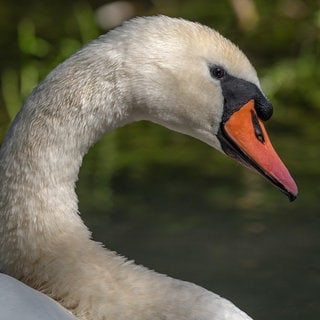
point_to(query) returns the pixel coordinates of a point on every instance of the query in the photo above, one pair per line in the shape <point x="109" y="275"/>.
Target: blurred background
<point x="170" y="202"/>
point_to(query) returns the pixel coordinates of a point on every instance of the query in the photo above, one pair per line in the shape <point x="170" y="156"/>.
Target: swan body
<point x="170" y="71"/>
<point x="19" y="301"/>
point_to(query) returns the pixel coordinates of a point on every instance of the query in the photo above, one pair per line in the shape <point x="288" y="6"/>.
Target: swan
<point x="176" y="73"/>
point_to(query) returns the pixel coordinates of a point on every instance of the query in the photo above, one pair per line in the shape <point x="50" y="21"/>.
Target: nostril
<point x="257" y="128"/>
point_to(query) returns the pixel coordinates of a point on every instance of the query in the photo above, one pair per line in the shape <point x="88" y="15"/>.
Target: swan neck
<point x="41" y="156"/>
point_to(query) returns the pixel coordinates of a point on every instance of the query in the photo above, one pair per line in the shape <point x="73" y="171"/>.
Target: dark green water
<point x="230" y="232"/>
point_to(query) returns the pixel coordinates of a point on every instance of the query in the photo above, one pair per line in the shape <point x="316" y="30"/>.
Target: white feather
<point x="150" y="68"/>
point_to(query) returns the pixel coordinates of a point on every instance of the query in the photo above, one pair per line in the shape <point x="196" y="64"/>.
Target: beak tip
<point x="292" y="196"/>
<point x="292" y="192"/>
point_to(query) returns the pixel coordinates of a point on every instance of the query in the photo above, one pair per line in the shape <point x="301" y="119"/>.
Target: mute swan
<point x="176" y="73"/>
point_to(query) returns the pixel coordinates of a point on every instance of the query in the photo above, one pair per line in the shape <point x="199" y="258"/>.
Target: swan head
<point x="191" y="79"/>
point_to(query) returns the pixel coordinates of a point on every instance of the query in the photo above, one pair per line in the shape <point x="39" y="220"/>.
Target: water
<point x="231" y="233"/>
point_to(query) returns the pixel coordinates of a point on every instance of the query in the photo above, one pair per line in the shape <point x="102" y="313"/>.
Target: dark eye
<point x="217" y="72"/>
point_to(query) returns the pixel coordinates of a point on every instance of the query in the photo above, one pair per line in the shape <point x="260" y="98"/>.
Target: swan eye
<point x="217" y="72"/>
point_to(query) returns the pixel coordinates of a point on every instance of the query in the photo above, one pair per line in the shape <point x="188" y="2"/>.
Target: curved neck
<point x="42" y="238"/>
<point x="42" y="153"/>
<point x="43" y="241"/>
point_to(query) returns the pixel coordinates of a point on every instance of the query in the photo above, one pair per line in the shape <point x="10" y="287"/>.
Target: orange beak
<point x="249" y="143"/>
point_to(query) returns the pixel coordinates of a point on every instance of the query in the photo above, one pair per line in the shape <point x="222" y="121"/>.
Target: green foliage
<point x="36" y="56"/>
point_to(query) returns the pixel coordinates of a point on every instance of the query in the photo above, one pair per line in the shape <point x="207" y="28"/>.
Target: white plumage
<point x="150" y="68"/>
